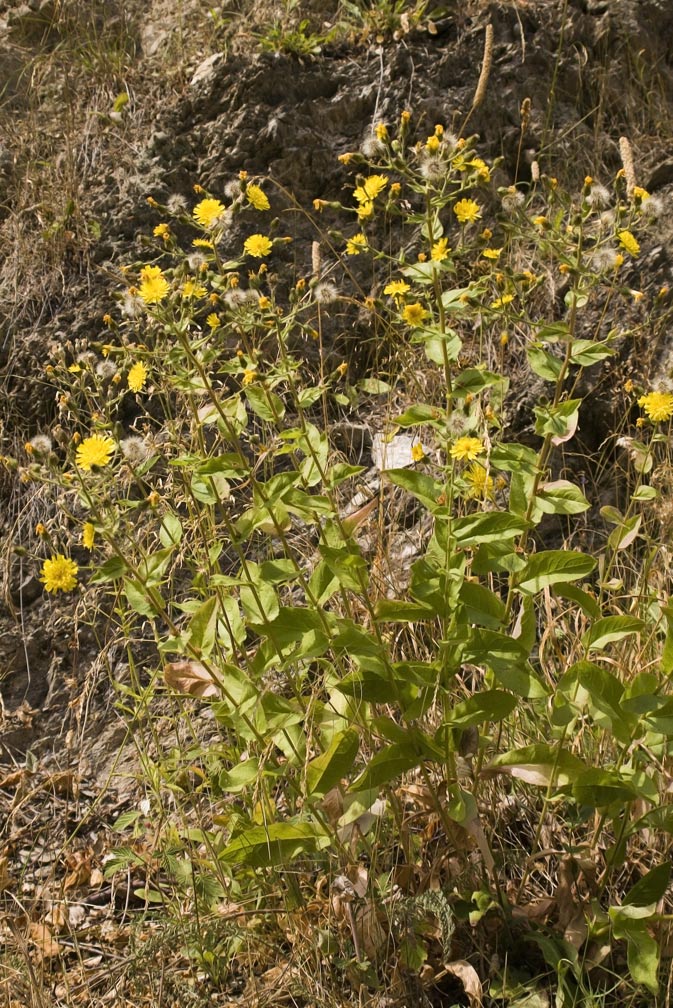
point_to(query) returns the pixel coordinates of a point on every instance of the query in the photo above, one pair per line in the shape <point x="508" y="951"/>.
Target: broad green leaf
<point x="507" y="658"/>
<point x="489" y="527"/>
<point x="513" y="458"/>
<point x="111" y="570"/>
<point x="481" y="605"/>
<point x="667" y="652"/>
<point x="203" y="627"/>
<point x="584" y="600"/>
<point x="561" y="497"/>
<point x="553" y="566"/>
<point x="274" y="845"/>
<point x="597" y="788"/>
<point x="260" y="602"/>
<point x="393" y="611"/>
<point x="543" y="363"/>
<point x="539" y="764"/>
<point x="645" y="493"/>
<point x="642" y="951"/>
<point x="326" y="770"/>
<point x="139" y="598"/>
<point x="421" y="486"/>
<point x="240" y="776"/>
<point x="650" y="888"/>
<point x="264" y="403"/>
<point x="393" y="760"/>
<point x="625" y="533"/>
<point x="170" y="532"/>
<point x="588" y="352"/>
<point x="421" y="413"/>
<point x="609" y="629"/>
<point x="436" y="344"/>
<point x="559" y="421"/>
<point x="490" y="705"/>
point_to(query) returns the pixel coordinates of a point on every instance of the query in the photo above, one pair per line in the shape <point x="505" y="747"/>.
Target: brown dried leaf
<point x="43" y="940"/>
<point x="370" y="932"/>
<point x="190" y="677"/>
<point x="469" y="978"/>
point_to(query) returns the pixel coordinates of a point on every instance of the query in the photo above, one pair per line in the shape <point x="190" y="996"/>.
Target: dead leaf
<point x="190" y="677"/>
<point x="43" y="940"/>
<point x="370" y="932"/>
<point x="469" y="978"/>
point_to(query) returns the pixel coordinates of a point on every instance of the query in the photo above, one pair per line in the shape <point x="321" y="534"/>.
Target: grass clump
<point x="438" y="698"/>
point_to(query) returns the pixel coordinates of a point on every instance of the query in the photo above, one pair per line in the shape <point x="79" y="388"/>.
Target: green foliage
<point x="355" y="692"/>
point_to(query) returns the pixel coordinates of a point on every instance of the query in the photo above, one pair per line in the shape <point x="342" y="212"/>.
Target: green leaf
<point x="437" y="343"/>
<point x="645" y="493"/>
<point x="393" y="760"/>
<point x="264" y="403"/>
<point x="650" y="888"/>
<point x="139" y="598"/>
<point x="585" y="601"/>
<point x="539" y="764"/>
<point x="561" y="497"/>
<point x="170" y="532"/>
<point x="112" y="569"/>
<point x="667" y="652"/>
<point x="394" y="611"/>
<point x="326" y="770"/>
<point x="642" y="951"/>
<point x="275" y="844"/>
<point x="588" y="352"/>
<point x="552" y="567"/>
<point x="374" y="386"/>
<point x="482" y="605"/>
<point x="609" y="629"/>
<point x="513" y="458"/>
<point x="543" y="363"/>
<point x="559" y="421"/>
<point x="493" y="526"/>
<point x="625" y="533"/>
<point x="598" y="788"/>
<point x="421" y="413"/>
<point x="203" y="627"/>
<point x="421" y="486"/>
<point x="239" y="777"/>
<point x="490" y="705"/>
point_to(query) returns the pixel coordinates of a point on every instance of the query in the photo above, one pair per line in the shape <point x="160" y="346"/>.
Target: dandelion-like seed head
<point x="41" y="444"/>
<point x="106" y="369"/>
<point x="604" y="259"/>
<point x="599" y="197"/>
<point x="431" y="167"/>
<point x="325" y="292"/>
<point x="372" y="146"/>
<point x="135" y="450"/>
<point x="652" y="208"/>
<point x="512" y="200"/>
<point x="177" y="203"/>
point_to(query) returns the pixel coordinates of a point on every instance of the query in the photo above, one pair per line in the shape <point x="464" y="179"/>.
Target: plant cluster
<point x="411" y="749"/>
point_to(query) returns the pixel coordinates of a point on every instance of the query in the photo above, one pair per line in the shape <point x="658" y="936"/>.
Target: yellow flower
<point x="191" y="289"/>
<point x="356" y="244"/>
<point x="467" y="449"/>
<point x="257" y="246"/>
<point x="405" y="117"/>
<point x="202" y="243"/>
<point x="639" y="193"/>
<point x="414" y="314"/>
<point x="396" y="288"/>
<point x="213" y="320"/>
<point x="486" y="234"/>
<point x="370" y="188"/>
<point x="94" y="451"/>
<point x="257" y="198"/>
<point x="74" y="369"/>
<point x="88" y="535"/>
<point x="365" y="210"/>
<point x="501" y="301"/>
<point x="504" y="339"/>
<point x="40" y="529"/>
<point x="628" y="242"/>
<point x="540" y="221"/>
<point x="657" y="405"/>
<point x="249" y="376"/>
<point x="491" y="253"/>
<point x="481" y="167"/>
<point x="440" y="250"/>
<point x="381" y="131"/>
<point x="628" y="385"/>
<point x="480" y="484"/>
<point x="466" y="210"/>
<point x="137" y="377"/>
<point x="417" y="452"/>
<point x="162" y="231"/>
<point x="619" y="261"/>
<point x="345" y="158"/>
<point x="433" y="144"/>
<point x="439" y="130"/>
<point x="59" y="574"/>
<point x="208" y="212"/>
<point x="153" y="285"/>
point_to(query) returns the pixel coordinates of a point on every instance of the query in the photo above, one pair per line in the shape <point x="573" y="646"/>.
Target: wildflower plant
<point x="357" y="694"/>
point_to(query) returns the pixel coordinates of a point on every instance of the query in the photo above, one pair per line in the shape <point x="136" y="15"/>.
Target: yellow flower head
<point x="213" y="320"/>
<point x="501" y="301"/>
<point x="467" y="449"/>
<point x="414" y="314"/>
<point x="94" y="451"/>
<point x="257" y="198"/>
<point x="657" y="405"/>
<point x="208" y="212"/>
<point x="381" y="131"/>
<point x="88" y="535"/>
<point x="162" y="231"/>
<point x="467" y="210"/>
<point x="481" y="168"/>
<point x="370" y="188"/>
<point x="417" y="452"/>
<point x="396" y="288"/>
<point x="638" y="193"/>
<point x="365" y="210"/>
<point x="433" y="144"/>
<point x="257" y="246"/>
<point x="137" y="377"/>
<point x="540" y="221"/>
<point x="440" y="250"/>
<point x="59" y="574"/>
<point x="356" y="244"/>
<point x="153" y="285"/>
<point x="202" y="243"/>
<point x="191" y="289"/>
<point x="249" y="376"/>
<point x="491" y="253"/>
<point x="480" y="484"/>
<point x="628" y="242"/>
